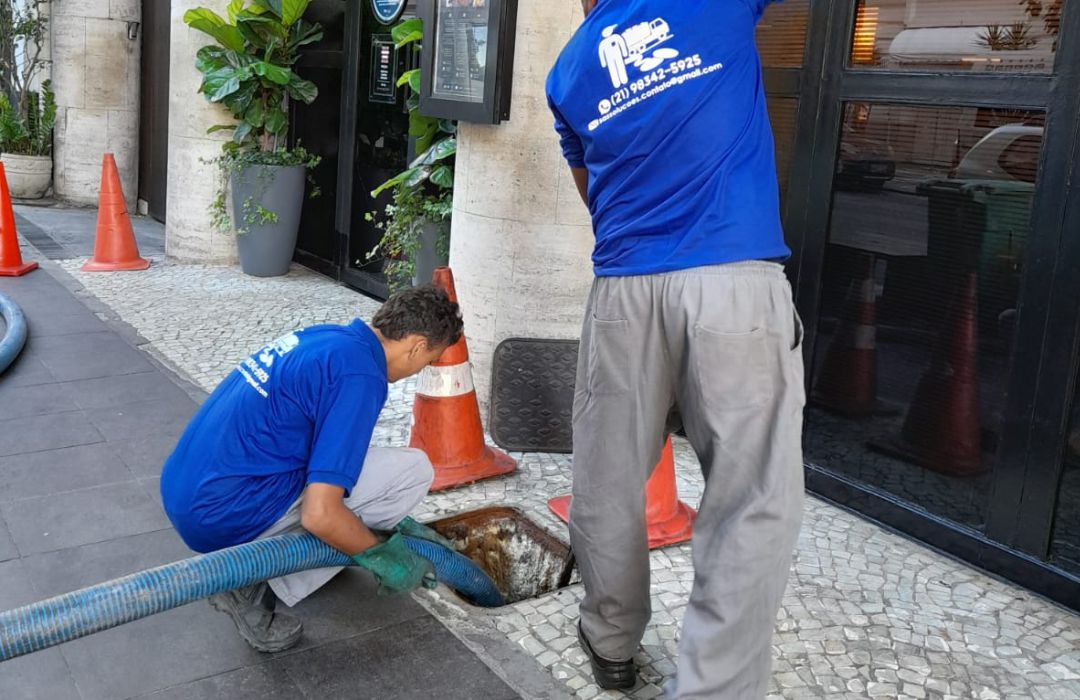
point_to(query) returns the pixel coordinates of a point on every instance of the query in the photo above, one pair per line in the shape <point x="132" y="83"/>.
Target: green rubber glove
<point x="411" y="528"/>
<point x="396" y="567"/>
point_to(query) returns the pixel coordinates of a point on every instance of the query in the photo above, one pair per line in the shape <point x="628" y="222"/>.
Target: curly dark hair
<point x="425" y="311"/>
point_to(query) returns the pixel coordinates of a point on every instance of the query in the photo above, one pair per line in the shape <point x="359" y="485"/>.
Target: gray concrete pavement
<point x="86" y="419"/>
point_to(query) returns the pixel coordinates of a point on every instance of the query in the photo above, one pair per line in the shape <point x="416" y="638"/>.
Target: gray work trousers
<point x="720" y="347"/>
<point x="392" y="483"/>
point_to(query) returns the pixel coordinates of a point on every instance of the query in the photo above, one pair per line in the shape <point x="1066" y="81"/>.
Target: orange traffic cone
<point x="942" y="430"/>
<point x="11" y="262"/>
<point x="847" y="383"/>
<point x="114" y="248"/>
<point x="446" y="416"/>
<point x="669" y="520"/>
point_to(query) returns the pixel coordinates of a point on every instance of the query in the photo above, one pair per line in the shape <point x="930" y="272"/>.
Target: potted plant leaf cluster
<point x="416" y="225"/>
<point x="27" y="113"/>
<point x="250" y="70"/>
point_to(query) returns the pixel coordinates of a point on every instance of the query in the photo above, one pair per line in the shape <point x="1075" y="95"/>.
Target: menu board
<point x="461" y="45"/>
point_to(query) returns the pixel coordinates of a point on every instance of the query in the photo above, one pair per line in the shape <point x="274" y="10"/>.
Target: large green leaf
<point x="240" y="101"/>
<point x="443" y="176"/>
<point x="275" y="74"/>
<point x="302" y="90"/>
<point x="394" y="181"/>
<point x="288" y="10"/>
<point x="242" y="133"/>
<point x="219" y="84"/>
<point x="417" y="177"/>
<point x="209" y="22"/>
<point x="410" y="78"/>
<point x="277" y="121"/>
<point x="440" y="151"/>
<point x="424" y="141"/>
<point x="252" y="36"/>
<point x="420" y="125"/>
<point x="305" y="34"/>
<point x="234" y="9"/>
<point x="445" y="148"/>
<point x="255" y="114"/>
<point x="210" y="59"/>
<point x="408" y="31"/>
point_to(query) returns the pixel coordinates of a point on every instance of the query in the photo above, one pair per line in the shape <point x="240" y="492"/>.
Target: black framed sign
<point x="468" y="61"/>
<point x="388" y="11"/>
<point x="384" y="65"/>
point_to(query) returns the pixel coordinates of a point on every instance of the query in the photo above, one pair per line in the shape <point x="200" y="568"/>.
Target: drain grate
<point x="41" y="240"/>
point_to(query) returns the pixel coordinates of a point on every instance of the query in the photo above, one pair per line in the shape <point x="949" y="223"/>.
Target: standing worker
<point x="282" y="444"/>
<point x="690" y="315"/>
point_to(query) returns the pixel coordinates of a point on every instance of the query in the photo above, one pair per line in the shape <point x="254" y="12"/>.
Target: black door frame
<point x="154" y="107"/>
<point x="1043" y="372"/>
<point x="351" y="63"/>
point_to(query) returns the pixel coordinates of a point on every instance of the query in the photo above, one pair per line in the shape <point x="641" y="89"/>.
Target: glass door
<point x="926" y="149"/>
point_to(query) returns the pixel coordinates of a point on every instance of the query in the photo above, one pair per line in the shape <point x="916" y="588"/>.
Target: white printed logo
<point x="617" y="51"/>
<point x="256" y="369"/>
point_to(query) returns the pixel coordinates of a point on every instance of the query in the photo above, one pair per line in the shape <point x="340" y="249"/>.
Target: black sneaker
<point x="252" y="611"/>
<point x="609" y="675"/>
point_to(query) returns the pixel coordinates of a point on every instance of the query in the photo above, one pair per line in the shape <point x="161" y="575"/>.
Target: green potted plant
<point x="250" y="70"/>
<point x="416" y="226"/>
<point x="27" y="115"/>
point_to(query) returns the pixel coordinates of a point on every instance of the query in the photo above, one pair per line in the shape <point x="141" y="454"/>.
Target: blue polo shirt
<point x="663" y="103"/>
<point x="300" y="410"/>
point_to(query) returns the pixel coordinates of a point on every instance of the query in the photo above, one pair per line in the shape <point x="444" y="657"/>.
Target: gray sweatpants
<point x="392" y="483"/>
<point x="719" y="347"/>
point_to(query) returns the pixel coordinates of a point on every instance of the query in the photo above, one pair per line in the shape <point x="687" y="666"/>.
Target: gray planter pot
<point x="266" y="250"/>
<point x="428" y="257"/>
<point x="28" y="176"/>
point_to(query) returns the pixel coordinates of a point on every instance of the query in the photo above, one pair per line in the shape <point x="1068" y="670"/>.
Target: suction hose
<point x="15" y="336"/>
<point x="84" y="612"/>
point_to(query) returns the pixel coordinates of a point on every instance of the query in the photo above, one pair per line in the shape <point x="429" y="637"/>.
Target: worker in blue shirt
<point x="282" y="444"/>
<point x="661" y="112"/>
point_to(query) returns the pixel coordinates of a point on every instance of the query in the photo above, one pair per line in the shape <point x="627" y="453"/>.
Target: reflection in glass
<point x="461" y="50"/>
<point x="945" y="35"/>
<point x="781" y="34"/>
<point x="930" y="220"/>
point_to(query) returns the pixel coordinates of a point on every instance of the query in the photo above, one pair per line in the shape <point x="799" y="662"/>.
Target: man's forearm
<point x="341" y="529"/>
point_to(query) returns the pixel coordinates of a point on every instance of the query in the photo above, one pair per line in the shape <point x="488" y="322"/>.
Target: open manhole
<point x="521" y="558"/>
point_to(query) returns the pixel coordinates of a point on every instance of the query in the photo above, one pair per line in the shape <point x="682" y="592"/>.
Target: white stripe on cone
<point x="445" y="382"/>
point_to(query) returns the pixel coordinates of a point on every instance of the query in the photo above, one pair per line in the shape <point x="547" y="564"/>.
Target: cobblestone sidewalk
<point x="867" y="613"/>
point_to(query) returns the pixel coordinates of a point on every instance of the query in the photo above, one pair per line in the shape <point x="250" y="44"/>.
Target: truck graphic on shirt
<point x="628" y="48"/>
<point x="645" y="36"/>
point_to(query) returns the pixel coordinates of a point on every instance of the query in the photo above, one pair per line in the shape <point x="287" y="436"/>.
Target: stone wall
<point x="96" y="79"/>
<point x="521" y="239"/>
<point x="189" y="234"/>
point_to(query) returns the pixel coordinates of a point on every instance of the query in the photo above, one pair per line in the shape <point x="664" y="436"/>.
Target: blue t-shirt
<point x="664" y="104"/>
<point x="299" y="411"/>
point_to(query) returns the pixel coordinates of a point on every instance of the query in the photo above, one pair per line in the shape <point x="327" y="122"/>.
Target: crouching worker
<point x="283" y="444"/>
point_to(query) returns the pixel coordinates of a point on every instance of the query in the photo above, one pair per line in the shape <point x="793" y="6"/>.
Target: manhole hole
<point x="522" y="559"/>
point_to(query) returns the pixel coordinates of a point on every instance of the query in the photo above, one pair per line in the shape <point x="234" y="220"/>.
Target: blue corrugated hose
<point x="15" y="336"/>
<point x="81" y="613"/>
